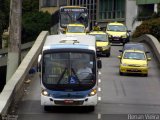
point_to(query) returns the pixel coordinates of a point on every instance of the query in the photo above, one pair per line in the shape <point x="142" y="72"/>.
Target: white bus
<point x="72" y="15"/>
<point x="69" y="68"/>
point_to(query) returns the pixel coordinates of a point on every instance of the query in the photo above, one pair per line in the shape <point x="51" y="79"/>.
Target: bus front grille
<point x="57" y="102"/>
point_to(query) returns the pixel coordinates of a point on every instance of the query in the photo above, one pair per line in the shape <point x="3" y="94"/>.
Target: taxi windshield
<point x="75" y="29"/>
<point x="101" y="37"/>
<point x="134" y="55"/>
<point x="119" y="28"/>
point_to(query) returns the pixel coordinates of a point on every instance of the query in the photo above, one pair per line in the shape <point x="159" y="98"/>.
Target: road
<point x="120" y="97"/>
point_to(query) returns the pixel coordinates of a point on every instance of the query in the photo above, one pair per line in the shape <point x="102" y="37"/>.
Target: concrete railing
<point x="13" y="89"/>
<point x="153" y="43"/>
<point x="23" y="47"/>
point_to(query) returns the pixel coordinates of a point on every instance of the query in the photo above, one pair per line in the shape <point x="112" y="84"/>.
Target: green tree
<point x="33" y="23"/>
<point x="30" y="6"/>
<point x="151" y="26"/>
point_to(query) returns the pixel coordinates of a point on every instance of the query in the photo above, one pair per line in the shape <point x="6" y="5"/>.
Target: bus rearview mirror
<point x="99" y="64"/>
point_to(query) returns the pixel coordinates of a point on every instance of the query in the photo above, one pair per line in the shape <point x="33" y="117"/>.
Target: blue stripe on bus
<point x="64" y="94"/>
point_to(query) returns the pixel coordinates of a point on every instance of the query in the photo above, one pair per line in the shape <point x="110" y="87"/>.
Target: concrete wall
<point x="13" y="90"/>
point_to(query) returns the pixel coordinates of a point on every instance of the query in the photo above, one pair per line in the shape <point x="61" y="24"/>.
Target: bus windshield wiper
<point x="60" y="78"/>
<point x="75" y="75"/>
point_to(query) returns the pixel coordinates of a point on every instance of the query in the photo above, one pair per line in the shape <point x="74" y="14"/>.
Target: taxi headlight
<point x="44" y="92"/>
<point x="124" y="64"/>
<point x="124" y="36"/>
<point x="109" y="35"/>
<point x="144" y="65"/>
<point x="93" y="92"/>
<point x="105" y="47"/>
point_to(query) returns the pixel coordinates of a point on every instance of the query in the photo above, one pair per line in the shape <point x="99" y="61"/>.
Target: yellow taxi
<point x="117" y="32"/>
<point x="103" y="46"/>
<point x="134" y="61"/>
<point x="76" y="29"/>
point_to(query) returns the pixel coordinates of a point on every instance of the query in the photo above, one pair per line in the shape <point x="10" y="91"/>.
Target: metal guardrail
<point x="13" y="89"/>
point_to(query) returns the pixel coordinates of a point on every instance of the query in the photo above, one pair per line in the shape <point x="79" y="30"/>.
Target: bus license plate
<point x="68" y="101"/>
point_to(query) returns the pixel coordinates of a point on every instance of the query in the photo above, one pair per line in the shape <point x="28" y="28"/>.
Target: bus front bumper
<point x="50" y="101"/>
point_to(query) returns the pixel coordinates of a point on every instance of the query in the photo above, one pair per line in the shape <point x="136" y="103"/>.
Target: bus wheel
<point x="47" y="108"/>
<point x="91" y="108"/>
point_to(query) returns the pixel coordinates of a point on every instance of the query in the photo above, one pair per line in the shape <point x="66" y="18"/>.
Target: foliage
<point x="4" y="18"/>
<point x="33" y="23"/>
<point x="30" y="6"/>
<point x="151" y="26"/>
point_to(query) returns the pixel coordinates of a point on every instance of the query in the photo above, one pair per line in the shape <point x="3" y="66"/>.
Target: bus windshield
<point x="61" y="71"/>
<point x="73" y="15"/>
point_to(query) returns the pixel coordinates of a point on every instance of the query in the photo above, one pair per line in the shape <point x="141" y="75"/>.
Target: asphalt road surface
<point x="119" y="97"/>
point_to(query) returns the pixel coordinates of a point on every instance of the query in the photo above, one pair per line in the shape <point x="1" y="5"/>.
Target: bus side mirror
<point x="39" y="63"/>
<point x="147" y="52"/>
<point x="99" y="64"/>
<point x="120" y="50"/>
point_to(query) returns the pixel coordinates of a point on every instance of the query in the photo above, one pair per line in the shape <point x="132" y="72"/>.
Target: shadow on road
<point x="69" y="109"/>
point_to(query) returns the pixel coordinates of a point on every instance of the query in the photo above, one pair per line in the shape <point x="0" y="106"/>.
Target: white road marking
<point x="99" y="98"/>
<point x="99" y="73"/>
<point x="99" y="80"/>
<point x="99" y="89"/>
<point x="99" y="116"/>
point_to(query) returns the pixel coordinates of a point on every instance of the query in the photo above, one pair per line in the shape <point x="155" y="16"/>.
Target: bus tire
<point x="47" y="108"/>
<point x="91" y="108"/>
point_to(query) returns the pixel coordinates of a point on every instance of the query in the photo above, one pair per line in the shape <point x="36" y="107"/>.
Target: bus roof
<point x="70" y="42"/>
<point x="72" y="7"/>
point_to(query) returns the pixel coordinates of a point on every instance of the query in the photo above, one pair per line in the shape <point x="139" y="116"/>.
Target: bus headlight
<point x="45" y="93"/>
<point x="93" y="92"/>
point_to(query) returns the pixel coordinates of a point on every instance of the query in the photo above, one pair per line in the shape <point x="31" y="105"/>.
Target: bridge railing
<point x="25" y="46"/>
<point x="13" y="90"/>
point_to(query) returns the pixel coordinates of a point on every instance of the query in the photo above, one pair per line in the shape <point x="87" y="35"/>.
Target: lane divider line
<point x="99" y="80"/>
<point x="99" y="98"/>
<point x="99" y="116"/>
<point x="99" y="89"/>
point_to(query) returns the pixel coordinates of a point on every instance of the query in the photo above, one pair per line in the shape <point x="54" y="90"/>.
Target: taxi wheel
<point x="145" y="75"/>
<point x="108" y="54"/>
<point x="120" y="73"/>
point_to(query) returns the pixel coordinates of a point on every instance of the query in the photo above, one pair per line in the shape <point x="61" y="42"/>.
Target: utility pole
<point x="14" y="44"/>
